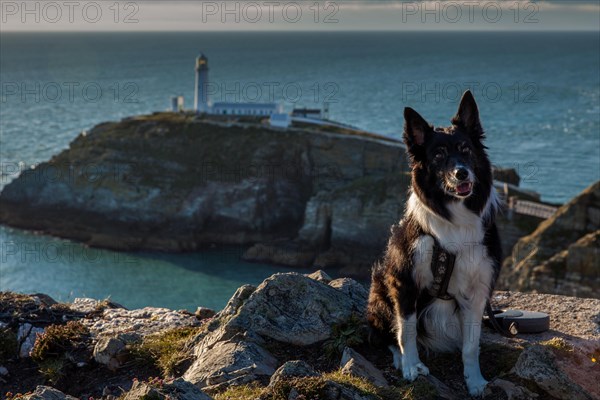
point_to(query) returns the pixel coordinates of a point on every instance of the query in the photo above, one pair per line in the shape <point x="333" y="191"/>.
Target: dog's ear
<point x="467" y="116"/>
<point x="416" y="130"/>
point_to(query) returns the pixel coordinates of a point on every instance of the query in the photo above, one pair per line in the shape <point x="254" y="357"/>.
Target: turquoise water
<point x="539" y="95"/>
<point x="65" y="270"/>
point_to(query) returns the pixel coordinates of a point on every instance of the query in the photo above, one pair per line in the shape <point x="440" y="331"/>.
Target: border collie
<point x="452" y="202"/>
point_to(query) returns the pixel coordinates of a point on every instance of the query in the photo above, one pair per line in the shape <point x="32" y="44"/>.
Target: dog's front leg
<point x="472" y="314"/>
<point x="407" y="339"/>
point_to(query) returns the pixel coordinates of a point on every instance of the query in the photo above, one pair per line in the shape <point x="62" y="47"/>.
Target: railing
<point x="532" y="208"/>
<point x="525" y="207"/>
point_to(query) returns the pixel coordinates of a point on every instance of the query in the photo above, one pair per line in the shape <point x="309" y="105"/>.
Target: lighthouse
<point x="201" y="91"/>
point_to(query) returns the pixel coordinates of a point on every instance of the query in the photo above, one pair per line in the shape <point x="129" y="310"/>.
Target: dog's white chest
<point x="463" y="237"/>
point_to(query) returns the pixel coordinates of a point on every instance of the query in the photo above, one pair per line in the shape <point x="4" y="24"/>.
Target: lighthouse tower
<point x="201" y="91"/>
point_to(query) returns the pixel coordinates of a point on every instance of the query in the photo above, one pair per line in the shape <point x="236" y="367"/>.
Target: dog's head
<point x="449" y="163"/>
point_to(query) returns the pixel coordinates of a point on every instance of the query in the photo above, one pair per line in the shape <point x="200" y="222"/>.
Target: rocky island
<point x="302" y="196"/>
<point x="292" y="337"/>
<point x="176" y="182"/>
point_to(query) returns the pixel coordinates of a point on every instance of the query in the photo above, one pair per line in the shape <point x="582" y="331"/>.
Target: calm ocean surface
<point x="539" y="96"/>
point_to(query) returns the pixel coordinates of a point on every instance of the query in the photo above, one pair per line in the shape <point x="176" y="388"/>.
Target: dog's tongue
<point x="463" y="188"/>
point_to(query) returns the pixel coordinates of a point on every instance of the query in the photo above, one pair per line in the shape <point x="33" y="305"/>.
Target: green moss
<point x="165" y="350"/>
<point x="349" y="333"/>
<point x="418" y="390"/>
<point x="558" y="344"/>
<point x="497" y="360"/>
<point x="242" y="392"/>
<point x="318" y="387"/>
<point x="52" y="347"/>
<point x="362" y="385"/>
<point x="8" y="344"/>
<point x="53" y="369"/>
<point x="151" y="396"/>
<point x="57" y="339"/>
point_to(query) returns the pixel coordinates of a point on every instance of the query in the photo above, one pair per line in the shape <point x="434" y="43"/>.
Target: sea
<point x="538" y="94"/>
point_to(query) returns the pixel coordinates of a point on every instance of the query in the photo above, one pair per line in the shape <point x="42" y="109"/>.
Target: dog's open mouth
<point x="463" y="189"/>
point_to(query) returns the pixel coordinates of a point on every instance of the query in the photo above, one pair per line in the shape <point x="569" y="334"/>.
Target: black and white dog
<point x="452" y="202"/>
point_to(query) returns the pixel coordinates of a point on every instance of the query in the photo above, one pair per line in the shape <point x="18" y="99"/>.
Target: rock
<point x="354" y="290"/>
<point x="512" y="391"/>
<point x="306" y="320"/>
<point x="27" y="335"/>
<point x="583" y="257"/>
<point x="137" y="323"/>
<point x="47" y="393"/>
<point x="353" y="363"/>
<point x="508" y="175"/>
<point x="537" y="363"/>
<point x="335" y="391"/>
<point x="292" y="369"/>
<point x="87" y="305"/>
<point x="320" y="276"/>
<point x="569" y="316"/>
<point x="233" y="352"/>
<point x="107" y="351"/>
<point x="233" y="362"/>
<point x="43" y="299"/>
<point x="542" y="261"/>
<point x="203" y="313"/>
<point x="238" y="298"/>
<point x="178" y="389"/>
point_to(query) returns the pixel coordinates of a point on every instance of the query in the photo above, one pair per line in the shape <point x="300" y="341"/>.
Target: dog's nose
<point x="461" y="174"/>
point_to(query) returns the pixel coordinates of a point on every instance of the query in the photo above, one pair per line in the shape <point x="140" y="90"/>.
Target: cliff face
<point x="169" y="182"/>
<point x="563" y="254"/>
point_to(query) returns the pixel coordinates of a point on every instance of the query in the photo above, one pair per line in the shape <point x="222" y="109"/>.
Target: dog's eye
<point x="439" y="156"/>
<point x="465" y="150"/>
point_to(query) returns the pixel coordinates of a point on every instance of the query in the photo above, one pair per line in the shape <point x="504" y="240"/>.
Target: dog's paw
<point x="476" y="386"/>
<point x="410" y="371"/>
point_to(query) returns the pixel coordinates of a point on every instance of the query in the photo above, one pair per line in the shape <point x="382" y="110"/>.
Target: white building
<point x="261" y="109"/>
<point x="280" y="120"/>
<point x="201" y="89"/>
<point x="177" y="104"/>
<point x="202" y="103"/>
<point x="277" y="117"/>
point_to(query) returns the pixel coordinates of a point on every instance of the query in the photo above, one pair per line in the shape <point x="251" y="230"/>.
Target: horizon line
<point x="559" y="30"/>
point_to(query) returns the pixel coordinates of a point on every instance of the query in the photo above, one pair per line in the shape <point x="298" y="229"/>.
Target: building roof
<point x="245" y="105"/>
<point x="307" y="110"/>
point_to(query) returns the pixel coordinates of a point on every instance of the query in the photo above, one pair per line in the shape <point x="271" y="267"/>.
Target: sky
<point x="294" y="15"/>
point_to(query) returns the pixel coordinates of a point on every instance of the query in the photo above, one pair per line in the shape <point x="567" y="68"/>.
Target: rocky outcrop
<point x="159" y="390"/>
<point x="47" y="393"/>
<point x="353" y="363"/>
<point x="283" y="339"/>
<point x="538" y="363"/>
<point x="234" y="351"/>
<point x="563" y="254"/>
<point x="177" y="182"/>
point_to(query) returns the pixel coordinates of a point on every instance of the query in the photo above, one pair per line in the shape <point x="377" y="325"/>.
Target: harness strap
<point x="512" y="330"/>
<point x="442" y="265"/>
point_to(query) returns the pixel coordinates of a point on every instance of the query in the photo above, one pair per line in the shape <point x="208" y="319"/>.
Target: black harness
<point x="442" y="265"/>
